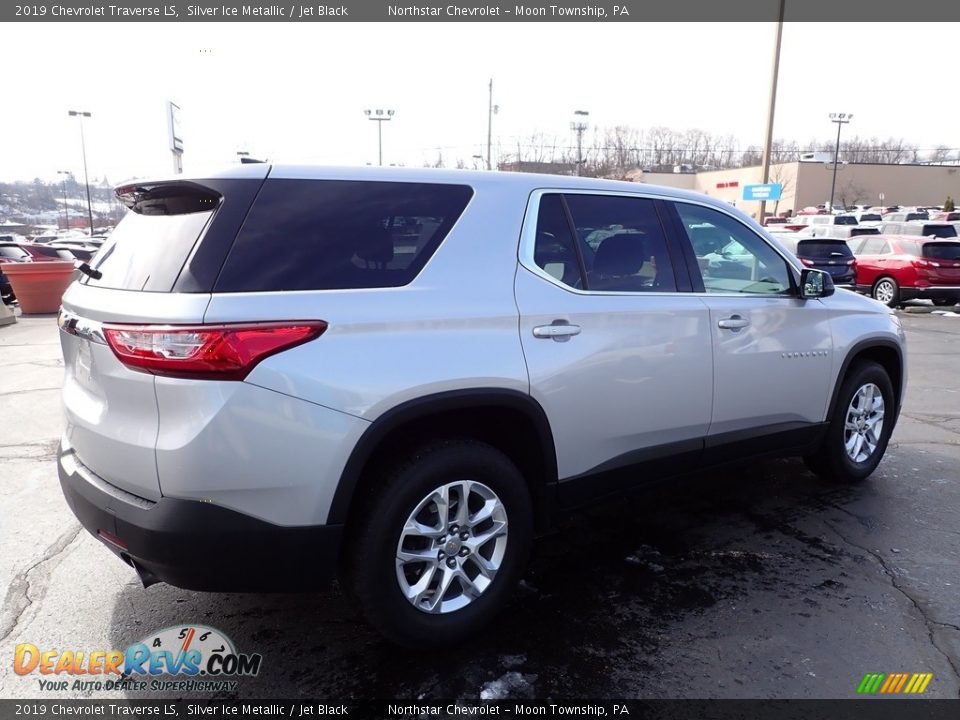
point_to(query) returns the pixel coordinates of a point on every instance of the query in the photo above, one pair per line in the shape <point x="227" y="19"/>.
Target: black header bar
<point x="636" y="11"/>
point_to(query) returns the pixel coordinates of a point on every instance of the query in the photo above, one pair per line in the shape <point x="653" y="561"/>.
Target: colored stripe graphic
<point x="894" y="683"/>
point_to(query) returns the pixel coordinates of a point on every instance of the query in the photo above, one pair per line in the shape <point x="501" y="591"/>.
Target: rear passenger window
<point x="333" y="234"/>
<point x="554" y="251"/>
<point x="622" y="243"/>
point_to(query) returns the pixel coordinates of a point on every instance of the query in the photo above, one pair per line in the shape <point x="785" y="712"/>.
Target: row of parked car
<point x="44" y="248"/>
<point x="891" y="254"/>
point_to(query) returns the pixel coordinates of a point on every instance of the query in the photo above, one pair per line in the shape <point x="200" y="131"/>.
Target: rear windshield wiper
<point x="89" y="271"/>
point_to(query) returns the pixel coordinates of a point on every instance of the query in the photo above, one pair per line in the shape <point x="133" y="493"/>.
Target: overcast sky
<point x="296" y="93"/>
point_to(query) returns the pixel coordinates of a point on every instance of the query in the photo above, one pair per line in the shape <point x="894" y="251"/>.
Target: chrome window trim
<point x="528" y="238"/>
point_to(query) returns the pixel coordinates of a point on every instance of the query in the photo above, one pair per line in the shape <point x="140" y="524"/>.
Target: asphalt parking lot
<point x="759" y="582"/>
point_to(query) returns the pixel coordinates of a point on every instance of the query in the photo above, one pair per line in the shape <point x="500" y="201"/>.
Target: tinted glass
<point x="554" y="250"/>
<point x="917" y="216"/>
<point x="823" y="249"/>
<point x="864" y="231"/>
<point x="940" y="231"/>
<point x="149" y="246"/>
<point x="942" y="251"/>
<point x="622" y="242"/>
<point x="870" y="217"/>
<point x="732" y="258"/>
<point x="844" y="220"/>
<point x="326" y="234"/>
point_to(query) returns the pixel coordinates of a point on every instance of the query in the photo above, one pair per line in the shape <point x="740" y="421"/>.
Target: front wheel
<point x="442" y="541"/>
<point x="887" y="291"/>
<point x="860" y="427"/>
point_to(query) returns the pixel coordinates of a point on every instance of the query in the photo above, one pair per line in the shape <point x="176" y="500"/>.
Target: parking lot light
<point x="80" y="115"/>
<point x="840" y="119"/>
<point x="380" y="116"/>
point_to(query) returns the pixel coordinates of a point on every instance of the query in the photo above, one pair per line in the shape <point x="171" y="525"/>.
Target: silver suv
<point x="277" y="375"/>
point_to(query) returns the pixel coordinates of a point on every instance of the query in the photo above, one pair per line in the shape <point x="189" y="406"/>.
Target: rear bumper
<point x="197" y="545"/>
<point x="930" y="293"/>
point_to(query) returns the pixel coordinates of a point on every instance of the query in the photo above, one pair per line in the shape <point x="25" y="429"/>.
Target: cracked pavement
<point x="754" y="582"/>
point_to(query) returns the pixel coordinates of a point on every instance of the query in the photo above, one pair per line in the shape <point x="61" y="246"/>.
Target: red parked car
<point x="894" y="268"/>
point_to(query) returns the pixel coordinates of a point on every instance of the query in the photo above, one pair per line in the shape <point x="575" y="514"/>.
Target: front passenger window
<point x="732" y="258"/>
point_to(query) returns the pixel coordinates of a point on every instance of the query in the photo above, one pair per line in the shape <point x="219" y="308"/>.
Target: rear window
<point x="870" y="217"/>
<point x="844" y="220"/>
<point x="942" y="251"/>
<point x="332" y="234"/>
<point x="917" y="216"/>
<point x="940" y="231"/>
<point x="824" y="249"/>
<point x="864" y="231"/>
<point x="150" y="245"/>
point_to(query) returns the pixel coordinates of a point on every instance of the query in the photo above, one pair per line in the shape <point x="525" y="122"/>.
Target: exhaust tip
<point x="146" y="577"/>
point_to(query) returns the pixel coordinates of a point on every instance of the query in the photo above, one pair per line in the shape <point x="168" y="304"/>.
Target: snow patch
<point x="512" y="684"/>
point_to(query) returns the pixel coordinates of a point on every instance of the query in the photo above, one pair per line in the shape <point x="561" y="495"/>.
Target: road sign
<point x="770" y="191"/>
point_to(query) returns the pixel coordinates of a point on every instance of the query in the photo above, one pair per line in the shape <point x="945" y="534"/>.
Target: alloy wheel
<point x="451" y="547"/>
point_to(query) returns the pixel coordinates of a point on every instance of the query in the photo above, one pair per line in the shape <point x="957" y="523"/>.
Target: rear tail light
<point x="806" y="261"/>
<point x="205" y="352"/>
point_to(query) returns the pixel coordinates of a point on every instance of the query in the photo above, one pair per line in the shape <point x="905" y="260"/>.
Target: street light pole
<point x="381" y="116"/>
<point x="66" y="210"/>
<point x="83" y="146"/>
<point x="840" y="119"/>
<point x="579" y="126"/>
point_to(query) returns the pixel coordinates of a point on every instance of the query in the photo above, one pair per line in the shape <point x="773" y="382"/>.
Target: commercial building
<point x="808" y="183"/>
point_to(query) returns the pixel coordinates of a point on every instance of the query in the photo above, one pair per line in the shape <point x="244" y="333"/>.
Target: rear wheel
<point x="887" y="291"/>
<point x="860" y="427"/>
<point x="443" y="540"/>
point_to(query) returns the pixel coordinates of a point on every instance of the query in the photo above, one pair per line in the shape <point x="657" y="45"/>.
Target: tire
<point x="379" y="579"/>
<point x="886" y="291"/>
<point x="834" y="460"/>
<point x="946" y="302"/>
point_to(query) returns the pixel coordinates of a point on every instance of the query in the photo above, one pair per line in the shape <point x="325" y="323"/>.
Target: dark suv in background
<point x="832" y="255"/>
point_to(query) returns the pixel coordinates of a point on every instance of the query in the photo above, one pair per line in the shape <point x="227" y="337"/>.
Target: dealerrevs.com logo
<point x="201" y="658"/>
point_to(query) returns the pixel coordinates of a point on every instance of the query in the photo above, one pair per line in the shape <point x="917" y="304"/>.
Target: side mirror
<point x="815" y="284"/>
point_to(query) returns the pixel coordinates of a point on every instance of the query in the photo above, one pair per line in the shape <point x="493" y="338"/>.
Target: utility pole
<point x="491" y="111"/>
<point x="66" y="209"/>
<point x="772" y="108"/>
<point x="579" y="126"/>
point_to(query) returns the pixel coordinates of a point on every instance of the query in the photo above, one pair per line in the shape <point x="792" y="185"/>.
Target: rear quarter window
<point x="332" y="234"/>
<point x="942" y="251"/>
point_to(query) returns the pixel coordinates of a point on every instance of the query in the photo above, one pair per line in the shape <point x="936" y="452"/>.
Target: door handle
<point x="734" y="322"/>
<point x="559" y="331"/>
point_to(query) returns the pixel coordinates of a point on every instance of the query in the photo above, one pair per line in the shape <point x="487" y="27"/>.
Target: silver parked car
<point x="279" y="374"/>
